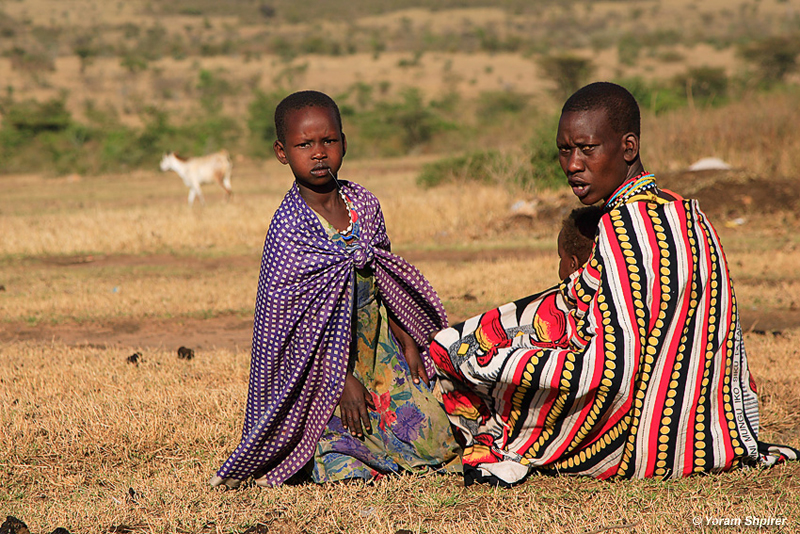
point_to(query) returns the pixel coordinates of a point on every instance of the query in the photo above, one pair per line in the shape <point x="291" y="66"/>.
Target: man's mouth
<point x="579" y="189"/>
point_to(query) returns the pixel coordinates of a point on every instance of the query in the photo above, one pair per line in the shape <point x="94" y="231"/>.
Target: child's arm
<point x="411" y="352"/>
<point x="353" y="406"/>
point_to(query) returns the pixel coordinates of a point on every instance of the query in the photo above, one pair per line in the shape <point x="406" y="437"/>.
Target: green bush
<point x="703" y="84"/>
<point x="545" y="170"/>
<point x="485" y="166"/>
<point x="398" y="127"/>
<point x="261" y="122"/>
<point x="540" y="171"/>
<point x="773" y="57"/>
<point x="655" y="97"/>
<point x="491" y="104"/>
<point x="569" y="72"/>
<point x="36" y="117"/>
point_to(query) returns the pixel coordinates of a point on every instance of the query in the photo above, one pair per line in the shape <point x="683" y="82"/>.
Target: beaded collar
<point x="348" y="237"/>
<point x="634" y="186"/>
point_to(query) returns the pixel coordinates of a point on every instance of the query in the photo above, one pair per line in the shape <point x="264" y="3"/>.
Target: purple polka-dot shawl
<point x="302" y="328"/>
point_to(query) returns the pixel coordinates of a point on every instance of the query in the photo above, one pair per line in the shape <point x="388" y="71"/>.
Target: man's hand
<point x="353" y="406"/>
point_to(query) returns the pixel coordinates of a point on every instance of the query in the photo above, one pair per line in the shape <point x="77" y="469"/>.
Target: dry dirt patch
<point x="234" y="331"/>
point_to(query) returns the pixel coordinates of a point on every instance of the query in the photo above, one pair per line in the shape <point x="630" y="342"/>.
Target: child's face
<point x="313" y="148"/>
<point x="567" y="263"/>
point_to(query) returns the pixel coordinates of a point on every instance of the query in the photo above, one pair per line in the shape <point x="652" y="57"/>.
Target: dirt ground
<point x="233" y="332"/>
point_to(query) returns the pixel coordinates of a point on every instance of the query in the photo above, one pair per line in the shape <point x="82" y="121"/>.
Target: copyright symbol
<point x="697" y="520"/>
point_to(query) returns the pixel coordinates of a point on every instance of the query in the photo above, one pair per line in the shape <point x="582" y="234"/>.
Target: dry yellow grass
<point x="81" y="427"/>
<point x="95" y="444"/>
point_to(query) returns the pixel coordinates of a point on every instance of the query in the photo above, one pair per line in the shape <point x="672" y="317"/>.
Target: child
<point x="576" y="238"/>
<point x="338" y="384"/>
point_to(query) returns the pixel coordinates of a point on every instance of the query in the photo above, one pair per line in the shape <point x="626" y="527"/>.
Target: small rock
<point x="709" y="164"/>
<point x="60" y="530"/>
<point x="2" y="287"/>
<point x="134" y="358"/>
<point x="185" y="353"/>
<point x="12" y="525"/>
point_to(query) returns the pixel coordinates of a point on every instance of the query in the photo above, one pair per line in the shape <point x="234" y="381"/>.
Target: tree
<point x="569" y="72"/>
<point x="774" y="57"/>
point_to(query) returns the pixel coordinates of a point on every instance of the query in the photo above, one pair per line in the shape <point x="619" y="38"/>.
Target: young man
<point x="634" y="367"/>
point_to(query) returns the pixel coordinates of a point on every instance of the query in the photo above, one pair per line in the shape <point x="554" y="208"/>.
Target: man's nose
<point x="574" y="162"/>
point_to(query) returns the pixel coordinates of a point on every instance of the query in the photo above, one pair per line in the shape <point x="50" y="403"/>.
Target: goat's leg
<point x="192" y="194"/>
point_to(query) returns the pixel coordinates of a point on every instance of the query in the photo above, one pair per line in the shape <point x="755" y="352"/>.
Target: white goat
<point x="208" y="169"/>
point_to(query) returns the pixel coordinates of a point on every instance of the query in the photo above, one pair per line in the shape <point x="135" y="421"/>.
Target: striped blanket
<point x="633" y="367"/>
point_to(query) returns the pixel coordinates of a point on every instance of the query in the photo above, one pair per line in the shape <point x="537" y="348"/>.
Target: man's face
<point x="591" y="154"/>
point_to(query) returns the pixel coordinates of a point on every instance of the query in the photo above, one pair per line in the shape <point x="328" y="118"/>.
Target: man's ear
<point x="280" y="153"/>
<point x="630" y="146"/>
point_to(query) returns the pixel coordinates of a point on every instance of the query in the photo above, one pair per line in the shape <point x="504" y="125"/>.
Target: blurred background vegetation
<point x="214" y="72"/>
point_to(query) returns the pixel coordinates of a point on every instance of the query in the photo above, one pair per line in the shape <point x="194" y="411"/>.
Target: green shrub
<point x="36" y="117"/>
<point x="212" y="89"/>
<point x="773" y="57"/>
<point x="655" y="97"/>
<point x="494" y="103"/>
<point x="485" y="166"/>
<point x="541" y="170"/>
<point x="569" y="72"/>
<point x="545" y="170"/>
<point x="703" y="84"/>
<point x="398" y="127"/>
<point x="261" y="122"/>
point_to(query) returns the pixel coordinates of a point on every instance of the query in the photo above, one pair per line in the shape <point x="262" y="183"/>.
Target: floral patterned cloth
<point x="410" y="431"/>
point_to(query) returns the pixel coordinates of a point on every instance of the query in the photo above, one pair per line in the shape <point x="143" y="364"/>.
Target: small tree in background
<point x="704" y="84"/>
<point x="569" y="72"/>
<point x="774" y="57"/>
<point x="261" y="122"/>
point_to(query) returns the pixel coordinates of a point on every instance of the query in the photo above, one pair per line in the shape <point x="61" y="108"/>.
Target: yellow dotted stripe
<point x="525" y="385"/>
<point x="648" y="355"/>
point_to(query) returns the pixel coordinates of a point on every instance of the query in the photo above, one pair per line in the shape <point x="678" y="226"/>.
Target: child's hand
<point x="414" y="361"/>
<point x="411" y="352"/>
<point x="353" y="406"/>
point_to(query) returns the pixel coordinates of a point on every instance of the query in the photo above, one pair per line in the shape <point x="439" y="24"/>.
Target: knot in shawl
<point x="302" y="330"/>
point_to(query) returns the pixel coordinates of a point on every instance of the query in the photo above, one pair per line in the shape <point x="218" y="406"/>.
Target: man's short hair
<point x="300" y="100"/>
<point x="619" y="103"/>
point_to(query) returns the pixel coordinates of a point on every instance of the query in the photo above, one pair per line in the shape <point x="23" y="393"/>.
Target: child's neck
<point x="328" y="204"/>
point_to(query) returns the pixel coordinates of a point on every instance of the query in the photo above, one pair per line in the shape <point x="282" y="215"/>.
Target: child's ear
<point x="574" y="263"/>
<point x="344" y="144"/>
<point x="630" y="146"/>
<point x="280" y="153"/>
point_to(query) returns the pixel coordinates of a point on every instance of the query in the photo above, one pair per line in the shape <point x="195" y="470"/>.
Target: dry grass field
<point x="97" y="267"/>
